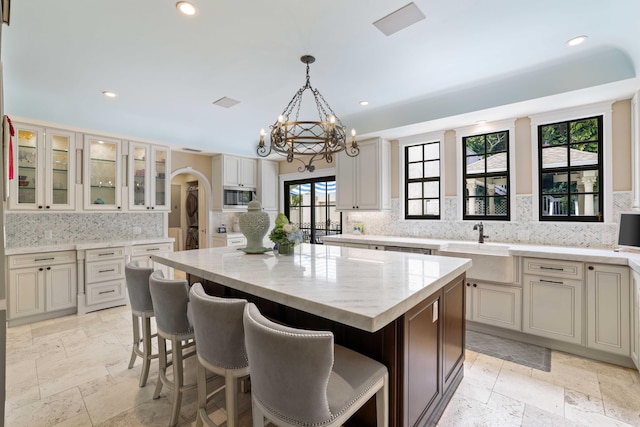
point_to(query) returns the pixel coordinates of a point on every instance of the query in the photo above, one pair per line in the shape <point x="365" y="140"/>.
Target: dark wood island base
<point x="423" y="350"/>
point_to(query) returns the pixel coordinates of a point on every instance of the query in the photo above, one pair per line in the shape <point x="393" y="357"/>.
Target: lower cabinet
<point x="142" y="254"/>
<point x="492" y="304"/>
<point x="105" y="283"/>
<point x="40" y="284"/>
<point x="635" y="317"/>
<point x="553" y="308"/>
<point x="608" y="308"/>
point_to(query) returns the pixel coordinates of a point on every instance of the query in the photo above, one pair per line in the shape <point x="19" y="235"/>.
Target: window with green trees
<point x="570" y="170"/>
<point x="486" y="176"/>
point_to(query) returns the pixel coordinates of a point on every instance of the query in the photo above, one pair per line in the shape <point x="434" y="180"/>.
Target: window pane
<point x="584" y="130"/>
<point x="585" y="204"/>
<point x="496" y="142"/>
<point x="432" y="169"/>
<point x="475" y="164"/>
<point x="414" y="153"/>
<point x="415" y="207"/>
<point x="497" y="163"/>
<point x="497" y="185"/>
<point x="474" y="144"/>
<point x="585" y="182"/>
<point x="584" y="154"/>
<point x="414" y="190"/>
<point x="295" y="195"/>
<point x="554" y="157"/>
<point x="431" y="189"/>
<point x="475" y="187"/>
<point x="554" y="183"/>
<point x="432" y="207"/>
<point x="415" y="170"/>
<point x="496" y="206"/>
<point x="432" y="151"/>
<point x="475" y="206"/>
<point x="554" y="205"/>
<point x="555" y="134"/>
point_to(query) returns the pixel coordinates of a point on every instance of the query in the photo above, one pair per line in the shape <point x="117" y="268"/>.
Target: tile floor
<point x="72" y="371"/>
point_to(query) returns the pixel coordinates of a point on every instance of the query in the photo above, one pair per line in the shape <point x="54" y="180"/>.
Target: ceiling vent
<point x="400" y="19"/>
<point x="193" y="150"/>
<point x="226" y="102"/>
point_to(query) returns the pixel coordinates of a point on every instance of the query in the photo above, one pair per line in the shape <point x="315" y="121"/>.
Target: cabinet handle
<point x="106" y="271"/>
<point x="45" y="259"/>
<point x="591" y="267"/>
<point x="153" y="249"/>
<point x="106" y="253"/>
<point x="542" y="267"/>
<point x="435" y="312"/>
<point x="551" y="281"/>
<point x="106" y="292"/>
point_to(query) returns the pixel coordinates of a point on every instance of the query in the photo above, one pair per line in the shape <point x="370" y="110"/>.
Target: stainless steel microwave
<point x="234" y="198"/>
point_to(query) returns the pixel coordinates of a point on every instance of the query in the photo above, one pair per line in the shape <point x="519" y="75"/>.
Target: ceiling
<point x="468" y="60"/>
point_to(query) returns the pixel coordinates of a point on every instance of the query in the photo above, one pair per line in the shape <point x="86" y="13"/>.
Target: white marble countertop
<point x="85" y="245"/>
<point x="362" y="288"/>
<point x="606" y="256"/>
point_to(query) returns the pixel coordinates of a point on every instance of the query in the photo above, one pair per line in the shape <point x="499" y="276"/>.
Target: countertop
<point x="357" y="287"/>
<point x="85" y="245"/>
<point x="605" y="256"/>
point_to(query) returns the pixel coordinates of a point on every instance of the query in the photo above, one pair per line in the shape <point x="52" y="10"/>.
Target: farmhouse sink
<point x="491" y="261"/>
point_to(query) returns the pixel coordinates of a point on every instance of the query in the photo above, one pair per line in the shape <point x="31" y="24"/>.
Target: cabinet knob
<point x="48" y="268"/>
<point x="39" y="207"/>
<point x="48" y="207"/>
<point x="41" y="269"/>
<point x="475" y="285"/>
<point x="118" y="207"/>
<point x="153" y="207"/>
<point x="591" y="267"/>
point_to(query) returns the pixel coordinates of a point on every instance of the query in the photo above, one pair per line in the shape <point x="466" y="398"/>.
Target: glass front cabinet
<point x="44" y="169"/>
<point x="102" y="173"/>
<point x="148" y="179"/>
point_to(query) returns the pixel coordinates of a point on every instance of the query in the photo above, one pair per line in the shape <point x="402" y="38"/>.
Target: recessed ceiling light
<point x="109" y="94"/>
<point x="576" y="41"/>
<point x="186" y="8"/>
<point x="363" y="103"/>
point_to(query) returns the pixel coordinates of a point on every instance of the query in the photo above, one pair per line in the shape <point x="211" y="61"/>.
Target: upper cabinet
<point x="148" y="177"/>
<point x="240" y="172"/>
<point x="363" y="182"/>
<point x="44" y="162"/>
<point x="268" y="188"/>
<point x="102" y="173"/>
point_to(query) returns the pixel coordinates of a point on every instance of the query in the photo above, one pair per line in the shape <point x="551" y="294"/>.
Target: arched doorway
<point x="190" y="199"/>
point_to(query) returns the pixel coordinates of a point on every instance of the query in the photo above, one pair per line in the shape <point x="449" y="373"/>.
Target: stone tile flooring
<point x="514" y="351"/>
<point x="72" y="371"/>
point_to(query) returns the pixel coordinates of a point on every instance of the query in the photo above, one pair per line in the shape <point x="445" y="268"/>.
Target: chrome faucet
<point x="480" y="227"/>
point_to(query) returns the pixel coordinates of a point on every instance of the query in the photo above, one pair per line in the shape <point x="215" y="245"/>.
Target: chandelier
<point x="316" y="140"/>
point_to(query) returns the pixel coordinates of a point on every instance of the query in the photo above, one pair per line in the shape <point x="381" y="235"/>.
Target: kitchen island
<point x="405" y="310"/>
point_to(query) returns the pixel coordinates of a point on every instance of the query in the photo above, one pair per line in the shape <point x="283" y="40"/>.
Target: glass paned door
<point x="160" y="156"/>
<point x="139" y="173"/>
<point x="311" y="205"/>
<point x="28" y="167"/>
<point x="60" y="168"/>
<point x="102" y="173"/>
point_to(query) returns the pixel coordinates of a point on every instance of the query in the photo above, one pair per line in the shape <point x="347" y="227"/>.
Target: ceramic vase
<point x="254" y="225"/>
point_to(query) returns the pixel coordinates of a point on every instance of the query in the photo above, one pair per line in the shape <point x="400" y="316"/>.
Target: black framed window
<point x="422" y="181"/>
<point x="486" y="176"/>
<point x="570" y="162"/>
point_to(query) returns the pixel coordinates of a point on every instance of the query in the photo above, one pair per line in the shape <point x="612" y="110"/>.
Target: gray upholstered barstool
<point x="300" y="378"/>
<point x="171" y="305"/>
<point x="141" y="314"/>
<point x="220" y="347"/>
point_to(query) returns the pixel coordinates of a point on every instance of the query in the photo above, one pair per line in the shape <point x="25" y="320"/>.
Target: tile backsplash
<point x="46" y="229"/>
<point x="521" y="230"/>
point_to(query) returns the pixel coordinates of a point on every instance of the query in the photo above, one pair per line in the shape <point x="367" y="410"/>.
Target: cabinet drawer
<point x="100" y="271"/>
<point x="236" y="241"/>
<point x="550" y="267"/>
<point x="151" y="249"/>
<point x="104" y="253"/>
<point x="44" y="258"/>
<point x="103" y="292"/>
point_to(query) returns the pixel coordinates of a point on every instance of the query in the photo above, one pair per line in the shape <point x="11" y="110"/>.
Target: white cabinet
<point x="41" y="283"/>
<point x="240" y="172"/>
<point x="102" y="173"/>
<point x="104" y="279"/>
<point x="143" y="253"/>
<point x="494" y="304"/>
<point x="608" y="303"/>
<point x="44" y="161"/>
<point x="268" y="185"/>
<point x="553" y="307"/>
<point x="635" y="319"/>
<point x="149" y="180"/>
<point x="363" y="182"/>
<point x="228" y="239"/>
